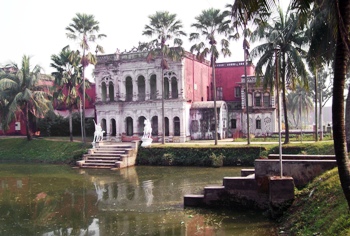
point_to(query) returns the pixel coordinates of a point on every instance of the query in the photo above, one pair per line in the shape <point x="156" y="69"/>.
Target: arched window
<point x="174" y="88"/>
<point x="111" y="91"/>
<point x="258" y="99"/>
<point x="129" y="126"/>
<point x="153" y="85"/>
<point x="154" y="125"/>
<point x="128" y="89"/>
<point x="141" y="125"/>
<point x="166" y="88"/>
<point x="141" y="88"/>
<point x="250" y="100"/>
<point x="176" y="126"/>
<point x="103" y="91"/>
<point x="166" y="124"/>
<point x="266" y="99"/>
<point x="258" y="123"/>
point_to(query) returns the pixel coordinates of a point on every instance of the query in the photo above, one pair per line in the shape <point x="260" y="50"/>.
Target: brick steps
<point x="106" y="156"/>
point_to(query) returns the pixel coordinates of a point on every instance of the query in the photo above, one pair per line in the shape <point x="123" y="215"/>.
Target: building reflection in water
<point x="133" y="201"/>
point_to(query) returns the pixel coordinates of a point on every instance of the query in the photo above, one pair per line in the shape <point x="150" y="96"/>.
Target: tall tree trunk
<point x="215" y="109"/>
<point x="340" y="68"/>
<point x="83" y="113"/>
<point x="347" y="119"/>
<point x="70" y="125"/>
<point x="28" y="132"/>
<point x="316" y="119"/>
<point x="284" y="101"/>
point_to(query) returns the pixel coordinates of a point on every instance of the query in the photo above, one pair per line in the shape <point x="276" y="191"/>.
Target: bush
<point x="216" y="160"/>
<point x="199" y="156"/>
<point x="56" y="125"/>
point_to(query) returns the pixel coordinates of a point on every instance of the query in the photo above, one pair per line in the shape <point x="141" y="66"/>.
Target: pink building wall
<point x="228" y="75"/>
<point x="197" y="78"/>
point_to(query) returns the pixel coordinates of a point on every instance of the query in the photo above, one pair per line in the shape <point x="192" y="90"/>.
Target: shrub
<point x="216" y="160"/>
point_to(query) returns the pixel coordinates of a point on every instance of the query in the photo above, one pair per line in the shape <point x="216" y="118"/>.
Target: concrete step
<point x="109" y="151"/>
<point x="99" y="164"/>
<point x="212" y="193"/>
<point x="101" y="161"/>
<point x="193" y="200"/>
<point x="94" y="157"/>
<point x="97" y="167"/>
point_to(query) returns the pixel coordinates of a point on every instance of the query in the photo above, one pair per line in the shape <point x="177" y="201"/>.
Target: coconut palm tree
<point x="299" y="102"/>
<point x="340" y="10"/>
<point x="24" y="96"/>
<point x="164" y="27"/>
<point x="289" y="38"/>
<point x="85" y="29"/>
<point x="68" y="83"/>
<point x="210" y="24"/>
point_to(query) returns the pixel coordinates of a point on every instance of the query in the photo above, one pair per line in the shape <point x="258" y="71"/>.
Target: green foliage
<point x="325" y="148"/>
<point x="55" y="125"/>
<point x="192" y="155"/>
<point x="217" y="160"/>
<point x="199" y="156"/>
<point x="319" y="209"/>
<point x="40" y="150"/>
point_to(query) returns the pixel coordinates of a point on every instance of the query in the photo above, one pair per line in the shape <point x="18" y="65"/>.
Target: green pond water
<point x="53" y="200"/>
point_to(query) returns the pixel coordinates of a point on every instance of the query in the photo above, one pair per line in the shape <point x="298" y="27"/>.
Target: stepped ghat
<point x="110" y="155"/>
<point x="262" y="187"/>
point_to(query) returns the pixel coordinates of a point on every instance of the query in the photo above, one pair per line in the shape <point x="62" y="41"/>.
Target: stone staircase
<point x="110" y="155"/>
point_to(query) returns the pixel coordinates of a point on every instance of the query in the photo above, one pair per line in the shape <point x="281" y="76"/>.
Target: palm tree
<point x="210" y="24"/>
<point x="321" y="51"/>
<point x="241" y="16"/>
<point x="4" y="100"/>
<point x="340" y="10"/>
<point x="68" y="82"/>
<point x="289" y="38"/>
<point x="24" y="95"/>
<point x="164" y="27"/>
<point x="85" y="29"/>
<point x="300" y="102"/>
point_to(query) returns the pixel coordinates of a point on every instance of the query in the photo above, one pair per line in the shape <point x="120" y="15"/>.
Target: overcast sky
<point x="37" y="27"/>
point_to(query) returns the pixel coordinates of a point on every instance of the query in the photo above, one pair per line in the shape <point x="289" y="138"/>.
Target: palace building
<point x="129" y="90"/>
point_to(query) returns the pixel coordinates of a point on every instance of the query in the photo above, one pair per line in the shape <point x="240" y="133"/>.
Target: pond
<point x="53" y="200"/>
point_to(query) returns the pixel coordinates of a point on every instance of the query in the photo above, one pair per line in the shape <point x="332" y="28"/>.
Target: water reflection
<point x="58" y="200"/>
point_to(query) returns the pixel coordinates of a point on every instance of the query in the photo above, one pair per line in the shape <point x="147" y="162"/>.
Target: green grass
<point x="319" y="209"/>
<point x="40" y="150"/>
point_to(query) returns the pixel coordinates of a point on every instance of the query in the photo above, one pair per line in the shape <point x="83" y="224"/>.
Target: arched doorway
<point x="129" y="126"/>
<point x="113" y="127"/>
<point x="104" y="126"/>
<point x="166" y="120"/>
<point x="155" y="125"/>
<point x="141" y="125"/>
<point x="176" y="126"/>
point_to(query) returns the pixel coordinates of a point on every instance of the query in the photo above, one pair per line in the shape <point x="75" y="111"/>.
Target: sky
<point x="37" y="27"/>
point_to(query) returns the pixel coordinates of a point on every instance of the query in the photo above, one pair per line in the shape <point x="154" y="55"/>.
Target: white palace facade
<point x="129" y="90"/>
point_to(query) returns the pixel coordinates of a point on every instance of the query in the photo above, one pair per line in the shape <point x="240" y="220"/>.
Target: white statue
<point x="147" y="134"/>
<point x="147" y="131"/>
<point x="98" y="134"/>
